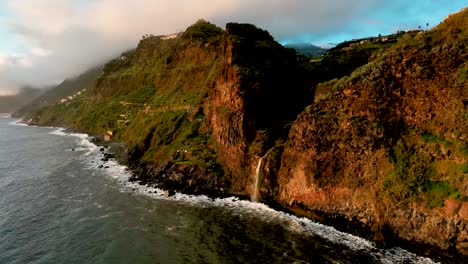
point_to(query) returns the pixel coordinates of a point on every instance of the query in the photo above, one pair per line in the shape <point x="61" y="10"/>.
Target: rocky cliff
<point x="386" y="147"/>
<point x="381" y="151"/>
<point x="193" y="109"/>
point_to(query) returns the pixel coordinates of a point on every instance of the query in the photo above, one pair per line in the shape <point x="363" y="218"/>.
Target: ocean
<point x="60" y="204"/>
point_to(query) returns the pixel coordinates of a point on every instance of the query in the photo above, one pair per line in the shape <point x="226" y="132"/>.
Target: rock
<point x="450" y="206"/>
<point x="101" y="166"/>
<point x="177" y="177"/>
<point x="101" y="149"/>
<point x="72" y="149"/>
<point x="462" y="242"/>
<point x="108" y="156"/>
<point x="463" y="213"/>
<point x="169" y="193"/>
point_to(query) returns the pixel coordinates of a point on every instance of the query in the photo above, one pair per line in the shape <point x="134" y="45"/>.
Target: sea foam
<point x="261" y="211"/>
<point x="17" y="123"/>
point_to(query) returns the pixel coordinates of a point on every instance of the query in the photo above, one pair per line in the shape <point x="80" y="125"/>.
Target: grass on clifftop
<point x="415" y="90"/>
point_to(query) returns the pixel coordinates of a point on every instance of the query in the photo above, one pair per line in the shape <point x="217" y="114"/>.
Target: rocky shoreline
<point x="380" y="151"/>
<point x="189" y="179"/>
<point x="192" y="180"/>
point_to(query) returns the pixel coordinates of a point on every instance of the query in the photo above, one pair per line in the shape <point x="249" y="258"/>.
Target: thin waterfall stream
<point x="255" y="186"/>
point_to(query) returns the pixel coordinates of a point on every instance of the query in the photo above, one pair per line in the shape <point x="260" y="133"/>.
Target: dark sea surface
<point x="58" y="206"/>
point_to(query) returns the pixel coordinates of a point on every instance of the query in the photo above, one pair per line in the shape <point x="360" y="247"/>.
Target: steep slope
<point x="209" y="111"/>
<point x="386" y="147"/>
<point x="11" y="103"/>
<point x="51" y="96"/>
<point x="191" y="107"/>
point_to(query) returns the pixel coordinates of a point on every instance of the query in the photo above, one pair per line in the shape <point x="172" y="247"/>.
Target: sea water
<point x="60" y="204"/>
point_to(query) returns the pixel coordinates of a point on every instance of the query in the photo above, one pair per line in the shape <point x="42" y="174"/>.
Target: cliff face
<point x="195" y="110"/>
<point x="250" y="104"/>
<point x="221" y="112"/>
<point x="386" y="147"/>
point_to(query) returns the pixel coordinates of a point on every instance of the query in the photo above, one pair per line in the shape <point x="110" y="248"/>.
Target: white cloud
<point x="66" y="37"/>
<point x="40" y="52"/>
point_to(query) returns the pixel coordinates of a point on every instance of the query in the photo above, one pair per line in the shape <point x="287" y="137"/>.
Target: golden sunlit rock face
<point x="231" y="112"/>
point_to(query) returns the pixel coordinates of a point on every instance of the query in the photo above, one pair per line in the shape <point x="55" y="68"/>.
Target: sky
<point x="42" y="42"/>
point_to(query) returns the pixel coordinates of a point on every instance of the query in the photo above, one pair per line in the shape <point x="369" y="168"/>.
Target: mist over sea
<point x="58" y="206"/>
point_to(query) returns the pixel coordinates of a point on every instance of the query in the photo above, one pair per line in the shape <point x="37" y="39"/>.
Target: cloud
<point x="63" y="38"/>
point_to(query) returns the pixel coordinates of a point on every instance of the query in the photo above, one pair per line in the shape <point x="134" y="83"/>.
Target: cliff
<point x="53" y="95"/>
<point x="386" y="147"/>
<point x="195" y="108"/>
<point x="382" y="151"/>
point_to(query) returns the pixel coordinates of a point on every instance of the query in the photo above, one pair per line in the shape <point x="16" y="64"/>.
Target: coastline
<point x="114" y="158"/>
<point x="183" y="188"/>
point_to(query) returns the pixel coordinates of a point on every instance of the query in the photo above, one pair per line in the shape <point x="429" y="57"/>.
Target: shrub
<point x="411" y="170"/>
<point x="202" y="30"/>
<point x="437" y="192"/>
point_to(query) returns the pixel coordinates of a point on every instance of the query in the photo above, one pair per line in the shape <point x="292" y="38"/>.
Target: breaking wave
<point x="298" y="225"/>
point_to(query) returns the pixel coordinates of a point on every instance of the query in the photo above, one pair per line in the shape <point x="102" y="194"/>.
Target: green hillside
<point x="11" y="103"/>
<point x="53" y="95"/>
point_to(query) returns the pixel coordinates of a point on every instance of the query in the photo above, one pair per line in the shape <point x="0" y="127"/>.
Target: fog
<point x="63" y="38"/>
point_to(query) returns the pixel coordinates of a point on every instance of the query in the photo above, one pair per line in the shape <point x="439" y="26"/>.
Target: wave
<point x="17" y="123"/>
<point x="84" y="142"/>
<point x="60" y="131"/>
<point x="5" y="115"/>
<point x="261" y="211"/>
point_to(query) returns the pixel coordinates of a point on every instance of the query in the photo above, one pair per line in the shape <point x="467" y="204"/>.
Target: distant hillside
<point x="11" y="103"/>
<point x="66" y="88"/>
<point x="347" y="56"/>
<point x="307" y="49"/>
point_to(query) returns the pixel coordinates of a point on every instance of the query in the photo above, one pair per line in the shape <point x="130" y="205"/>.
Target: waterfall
<point x="254" y="197"/>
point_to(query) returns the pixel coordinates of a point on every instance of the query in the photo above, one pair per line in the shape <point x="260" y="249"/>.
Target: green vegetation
<point x="270" y="76"/>
<point x="428" y="137"/>
<point x="66" y="88"/>
<point x="372" y="108"/>
<point x="10" y="103"/>
<point x="151" y="98"/>
<point x="437" y="192"/>
<point x="203" y="30"/>
<point x="312" y="52"/>
<point x="412" y="169"/>
<point x="417" y="175"/>
<point x="347" y="57"/>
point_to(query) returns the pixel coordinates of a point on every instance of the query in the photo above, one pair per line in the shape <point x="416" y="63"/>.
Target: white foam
<point x="5" y="115"/>
<point x="84" y="143"/>
<point x="17" y="123"/>
<point x="293" y="223"/>
<point x="58" y="132"/>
